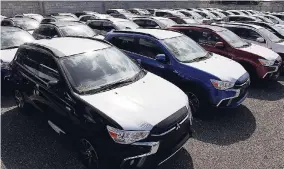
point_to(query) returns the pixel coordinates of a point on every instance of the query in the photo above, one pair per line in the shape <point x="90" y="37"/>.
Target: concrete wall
<point x="10" y="8"/>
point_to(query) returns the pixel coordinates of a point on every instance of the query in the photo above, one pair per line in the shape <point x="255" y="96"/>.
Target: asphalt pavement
<point x="249" y="137"/>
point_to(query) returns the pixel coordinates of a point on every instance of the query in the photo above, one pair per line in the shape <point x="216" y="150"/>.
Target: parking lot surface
<point x="249" y="137"/>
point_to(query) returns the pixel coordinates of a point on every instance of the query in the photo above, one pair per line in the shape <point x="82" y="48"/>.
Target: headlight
<point x="266" y="62"/>
<point x="126" y="137"/>
<point x="222" y="85"/>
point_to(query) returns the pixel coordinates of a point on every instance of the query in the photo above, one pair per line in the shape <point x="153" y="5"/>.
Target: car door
<point x="52" y="92"/>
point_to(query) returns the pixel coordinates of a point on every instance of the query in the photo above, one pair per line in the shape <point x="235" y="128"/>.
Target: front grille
<point x="170" y="122"/>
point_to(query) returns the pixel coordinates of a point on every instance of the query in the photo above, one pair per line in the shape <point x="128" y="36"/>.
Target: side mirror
<point x="219" y="45"/>
<point x="161" y="58"/>
<point x="52" y="83"/>
<point x="260" y="40"/>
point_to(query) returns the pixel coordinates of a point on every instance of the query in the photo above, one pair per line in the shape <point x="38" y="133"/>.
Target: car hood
<point x="8" y="55"/>
<point x="140" y="105"/>
<point x="261" y="51"/>
<point x="278" y="47"/>
<point x="223" y="68"/>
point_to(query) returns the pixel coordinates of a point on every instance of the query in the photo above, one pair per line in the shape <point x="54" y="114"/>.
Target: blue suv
<point x="205" y="77"/>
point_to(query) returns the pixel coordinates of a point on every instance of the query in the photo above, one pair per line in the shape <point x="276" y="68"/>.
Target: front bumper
<point x="232" y="97"/>
<point x="156" y="149"/>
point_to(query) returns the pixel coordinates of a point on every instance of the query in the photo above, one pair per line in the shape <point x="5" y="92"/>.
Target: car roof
<point x="66" y="46"/>
<point x="10" y="29"/>
<point x="214" y="28"/>
<point x="241" y="24"/>
<point x="157" y="33"/>
<point x="64" y="23"/>
<point x="20" y="19"/>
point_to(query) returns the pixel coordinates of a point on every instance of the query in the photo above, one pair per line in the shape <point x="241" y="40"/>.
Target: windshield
<point x="126" y="24"/>
<point x="184" y="49"/>
<point x="14" y="39"/>
<point x="176" y="13"/>
<point x="30" y="24"/>
<point x="233" y="39"/>
<point x="95" y="69"/>
<point x="167" y="22"/>
<point x="78" y="30"/>
<point x="269" y="35"/>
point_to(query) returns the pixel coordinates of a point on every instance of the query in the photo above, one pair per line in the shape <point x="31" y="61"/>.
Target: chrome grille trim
<point x="173" y="128"/>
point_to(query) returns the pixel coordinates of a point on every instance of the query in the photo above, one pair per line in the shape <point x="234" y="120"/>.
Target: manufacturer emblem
<point x="177" y="127"/>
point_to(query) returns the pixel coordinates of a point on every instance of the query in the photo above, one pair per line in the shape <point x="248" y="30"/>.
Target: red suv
<point x="259" y="61"/>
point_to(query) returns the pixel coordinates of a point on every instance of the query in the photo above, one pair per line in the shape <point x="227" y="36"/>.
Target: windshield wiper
<point x="112" y="85"/>
<point x="11" y="47"/>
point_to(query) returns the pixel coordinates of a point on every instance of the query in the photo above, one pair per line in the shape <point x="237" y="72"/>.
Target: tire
<point x="21" y="102"/>
<point x="87" y="153"/>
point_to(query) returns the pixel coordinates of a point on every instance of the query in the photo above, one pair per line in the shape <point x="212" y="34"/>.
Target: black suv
<point x="109" y="106"/>
<point x="63" y="29"/>
<point x="103" y="26"/>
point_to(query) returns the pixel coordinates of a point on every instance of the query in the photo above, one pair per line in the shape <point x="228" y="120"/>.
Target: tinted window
<point x="46" y="30"/>
<point x="125" y="43"/>
<point x="7" y="23"/>
<point x="140" y="22"/>
<point x="108" y="26"/>
<point x="95" y="25"/>
<point x="203" y="37"/>
<point x="41" y="65"/>
<point x="161" y="14"/>
<point x="148" y="48"/>
<point x="86" y="18"/>
<point x="151" y="24"/>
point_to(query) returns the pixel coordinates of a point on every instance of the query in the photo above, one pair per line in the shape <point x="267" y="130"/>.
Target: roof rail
<point x="126" y="31"/>
<point x="239" y="24"/>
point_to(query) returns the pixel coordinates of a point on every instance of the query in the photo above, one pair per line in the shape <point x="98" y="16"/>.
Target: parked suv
<point x="175" y="16"/>
<point x="61" y="29"/>
<point x="97" y="95"/>
<point x="25" y="23"/>
<point x="259" y="61"/>
<point x="257" y="35"/>
<point x="103" y="26"/>
<point x="154" y="22"/>
<point x="205" y="77"/>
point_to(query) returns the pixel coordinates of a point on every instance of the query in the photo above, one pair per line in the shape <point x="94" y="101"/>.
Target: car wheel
<point x="87" y="154"/>
<point x="20" y="101"/>
<point x="194" y="102"/>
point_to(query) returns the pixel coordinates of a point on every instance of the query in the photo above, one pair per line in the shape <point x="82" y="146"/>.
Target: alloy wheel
<point x="88" y="154"/>
<point x="19" y="99"/>
<point x="193" y="102"/>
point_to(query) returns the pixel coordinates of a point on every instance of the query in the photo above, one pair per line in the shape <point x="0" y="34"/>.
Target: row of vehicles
<point x="127" y="89"/>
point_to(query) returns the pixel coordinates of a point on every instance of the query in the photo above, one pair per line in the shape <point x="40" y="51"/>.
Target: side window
<point x="193" y="34"/>
<point x="207" y="38"/>
<point x="160" y="14"/>
<point x="48" y="70"/>
<point x="234" y="18"/>
<point x="148" y="48"/>
<point x="53" y="32"/>
<point x="151" y="24"/>
<point x="108" y="26"/>
<point x="95" y="25"/>
<point x="124" y="43"/>
<point x="6" y="23"/>
<point x="253" y="35"/>
<point x="86" y="18"/>
<point x="140" y="22"/>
